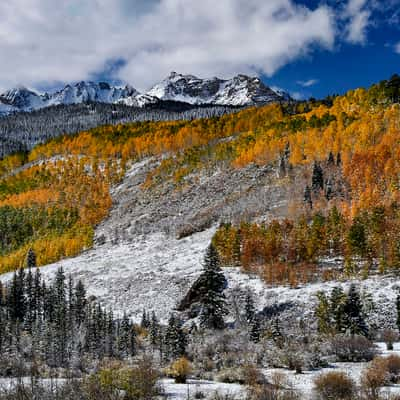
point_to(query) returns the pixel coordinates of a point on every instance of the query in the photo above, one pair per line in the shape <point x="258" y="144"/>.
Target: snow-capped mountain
<point x="241" y="90"/>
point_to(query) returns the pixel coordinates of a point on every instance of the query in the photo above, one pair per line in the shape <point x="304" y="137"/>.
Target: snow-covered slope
<point x="141" y="264"/>
<point x="239" y="91"/>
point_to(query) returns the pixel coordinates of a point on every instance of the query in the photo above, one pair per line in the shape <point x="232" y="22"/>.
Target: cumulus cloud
<point x="42" y="41"/>
<point x="308" y="82"/>
<point x="358" y="14"/>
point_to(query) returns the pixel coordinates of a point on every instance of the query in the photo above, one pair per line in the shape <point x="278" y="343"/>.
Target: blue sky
<point x="348" y="65"/>
<point x="307" y="47"/>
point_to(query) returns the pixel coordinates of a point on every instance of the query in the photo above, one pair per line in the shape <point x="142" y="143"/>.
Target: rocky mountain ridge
<point x="241" y="90"/>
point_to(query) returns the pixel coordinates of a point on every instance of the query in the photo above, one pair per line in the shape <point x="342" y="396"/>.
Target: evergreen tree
<point x="307" y="196"/>
<point x="398" y="311"/>
<point x="154" y="330"/>
<point x="80" y="302"/>
<point x="175" y="339"/>
<point x="322" y="314"/>
<point x="16" y="297"/>
<point x="276" y="333"/>
<point x="31" y="259"/>
<point x="250" y="311"/>
<point x="331" y="159"/>
<point x="337" y="304"/>
<point x="338" y="160"/>
<point x="145" y="322"/>
<point x="213" y="304"/>
<point x="353" y="313"/>
<point x="317" y="178"/>
<point x="255" y="330"/>
<point x="30" y="301"/>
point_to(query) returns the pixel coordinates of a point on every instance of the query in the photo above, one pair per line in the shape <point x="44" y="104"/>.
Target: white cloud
<point x="308" y="82"/>
<point x="397" y="48"/>
<point x="358" y="15"/>
<point x="42" y="43"/>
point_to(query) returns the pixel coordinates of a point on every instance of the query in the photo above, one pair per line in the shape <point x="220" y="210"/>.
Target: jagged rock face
<point x="238" y="91"/>
<point x="241" y="90"/>
<point x="21" y="98"/>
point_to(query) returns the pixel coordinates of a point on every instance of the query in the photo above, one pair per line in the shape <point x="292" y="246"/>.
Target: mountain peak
<point x="241" y="90"/>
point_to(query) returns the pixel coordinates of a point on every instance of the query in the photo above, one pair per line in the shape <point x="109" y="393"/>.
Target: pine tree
<point x="30" y="301"/>
<point x="213" y="304"/>
<point x="307" y="196"/>
<point x="276" y="333"/>
<point x="80" y="302"/>
<point x="16" y="302"/>
<point x="398" y="311"/>
<point x="154" y="330"/>
<point x="353" y="313"/>
<point x="338" y="160"/>
<point x="255" y="330"/>
<point x="322" y="314"/>
<point x="60" y="316"/>
<point x="31" y="259"/>
<point x="145" y="322"/>
<point x="250" y="311"/>
<point x="317" y="178"/>
<point x="337" y="303"/>
<point x="175" y="339"/>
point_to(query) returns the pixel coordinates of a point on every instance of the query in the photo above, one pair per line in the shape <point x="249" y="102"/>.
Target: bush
<point x="139" y="382"/>
<point x="389" y="336"/>
<point x="353" y="348"/>
<point x="334" y="386"/>
<point x="230" y="375"/>
<point x="374" y="377"/>
<point x="180" y="369"/>
<point x="252" y="376"/>
<point x="393" y="367"/>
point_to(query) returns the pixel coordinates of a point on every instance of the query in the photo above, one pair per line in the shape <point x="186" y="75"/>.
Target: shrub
<point x="140" y="382"/>
<point x="252" y="376"/>
<point x="389" y="336"/>
<point x="334" y="386"/>
<point x="180" y="369"/>
<point x="374" y="377"/>
<point x="353" y="348"/>
<point x="230" y="375"/>
<point x="393" y="367"/>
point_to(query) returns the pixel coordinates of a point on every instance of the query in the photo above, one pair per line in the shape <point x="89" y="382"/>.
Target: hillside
<point x="233" y="249"/>
<point x="251" y="166"/>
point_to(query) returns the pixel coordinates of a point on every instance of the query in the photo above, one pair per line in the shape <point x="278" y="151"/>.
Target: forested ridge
<point x="346" y="147"/>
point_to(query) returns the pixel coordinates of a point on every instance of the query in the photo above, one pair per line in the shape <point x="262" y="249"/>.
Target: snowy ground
<point x="194" y="388"/>
<point x="304" y="382"/>
<point x="156" y="270"/>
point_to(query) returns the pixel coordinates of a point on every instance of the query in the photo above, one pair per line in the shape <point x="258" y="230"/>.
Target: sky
<point x="306" y="47"/>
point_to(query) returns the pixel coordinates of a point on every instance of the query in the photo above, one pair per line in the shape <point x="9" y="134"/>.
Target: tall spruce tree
<point x="317" y="179"/>
<point x="213" y="303"/>
<point x="31" y="259"/>
<point x="249" y="308"/>
<point x="175" y="339"/>
<point x="398" y="311"/>
<point x="337" y="304"/>
<point x="353" y="313"/>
